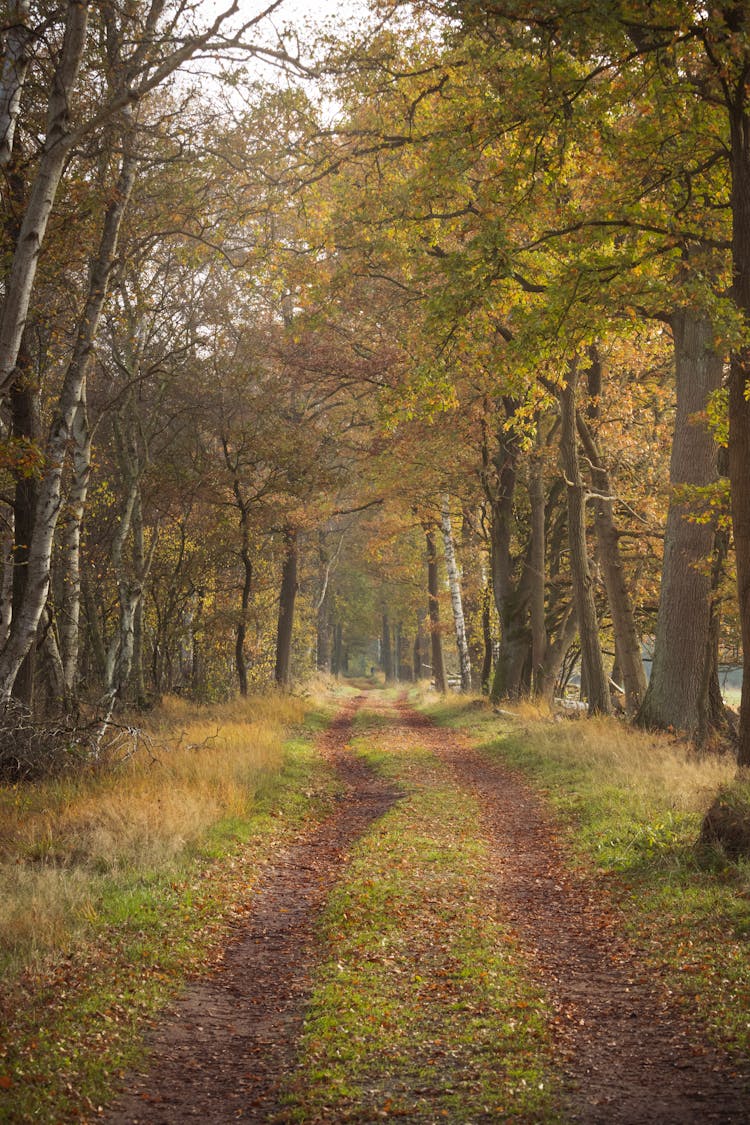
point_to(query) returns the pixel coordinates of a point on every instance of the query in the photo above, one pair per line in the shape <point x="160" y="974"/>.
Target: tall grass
<point x="651" y="766"/>
<point x="63" y="841"/>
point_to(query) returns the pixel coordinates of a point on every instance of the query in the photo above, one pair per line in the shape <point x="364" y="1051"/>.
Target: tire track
<point x="227" y="1044"/>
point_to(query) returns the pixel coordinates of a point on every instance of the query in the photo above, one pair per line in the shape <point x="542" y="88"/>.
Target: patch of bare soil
<point x="630" y="1055"/>
<point x="224" y="1049"/>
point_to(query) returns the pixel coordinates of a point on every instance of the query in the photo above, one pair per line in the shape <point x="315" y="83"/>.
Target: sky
<point x="298" y="16"/>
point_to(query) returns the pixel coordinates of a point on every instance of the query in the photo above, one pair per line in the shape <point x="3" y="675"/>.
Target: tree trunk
<point x="739" y="398"/>
<point x="418" y="654"/>
<point x="683" y="622"/>
<point x="338" y="649"/>
<point x="712" y="714"/>
<point x="583" y="586"/>
<point x="93" y="628"/>
<point x="7" y="543"/>
<point x="433" y="595"/>
<point x="42" y="195"/>
<point x="25" y="427"/>
<point x="51" y="661"/>
<point x="510" y="597"/>
<point x="247" y="585"/>
<point x="140" y="569"/>
<point x="454" y="584"/>
<point x="287" y="598"/>
<point x="25" y="624"/>
<point x="627" y="641"/>
<point x="386" y="651"/>
<point x="70" y="547"/>
<point x="13" y="75"/>
<point x="323" y="635"/>
<point x="537" y="568"/>
<point x="487" y="638"/>
<point x="120" y="649"/>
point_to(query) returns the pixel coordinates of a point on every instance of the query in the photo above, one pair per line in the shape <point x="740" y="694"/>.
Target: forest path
<point x="230" y="1040"/>
<point x="627" y="1054"/>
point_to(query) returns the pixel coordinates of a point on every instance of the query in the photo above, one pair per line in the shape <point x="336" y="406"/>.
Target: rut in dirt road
<point x="230" y="1040"/>
<point x="628" y="1055"/>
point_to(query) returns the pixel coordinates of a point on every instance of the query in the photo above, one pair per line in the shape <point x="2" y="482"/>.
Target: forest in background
<point x="431" y="331"/>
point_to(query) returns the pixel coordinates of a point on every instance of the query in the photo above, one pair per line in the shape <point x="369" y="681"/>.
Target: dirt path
<point x="228" y="1043"/>
<point x="629" y="1056"/>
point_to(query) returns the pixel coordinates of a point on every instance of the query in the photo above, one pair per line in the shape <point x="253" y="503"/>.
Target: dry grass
<point x="60" y="840"/>
<point x="651" y="765"/>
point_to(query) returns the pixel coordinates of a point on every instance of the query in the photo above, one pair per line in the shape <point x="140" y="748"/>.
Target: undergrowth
<point x="424" y="1011"/>
<point x="116" y="886"/>
<point x="633" y="803"/>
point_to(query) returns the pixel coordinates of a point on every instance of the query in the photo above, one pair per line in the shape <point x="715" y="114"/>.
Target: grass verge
<point x="128" y="912"/>
<point x="424" y="1010"/>
<point x="633" y="803"/>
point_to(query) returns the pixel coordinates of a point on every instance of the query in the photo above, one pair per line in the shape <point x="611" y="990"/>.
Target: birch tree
<point x="454" y="585"/>
<point x="141" y="56"/>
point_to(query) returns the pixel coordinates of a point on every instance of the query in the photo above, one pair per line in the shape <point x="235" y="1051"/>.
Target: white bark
<point x="61" y="136"/>
<point x="6" y="584"/>
<point x="70" y="545"/>
<point x="24" y="627"/>
<point x="454" y="583"/>
<point x="42" y="194"/>
<point x="13" y="75"/>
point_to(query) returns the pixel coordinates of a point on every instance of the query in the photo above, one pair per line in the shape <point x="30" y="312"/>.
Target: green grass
<point x="633" y="805"/>
<point x="424" y="1009"/>
<point x="74" y="1021"/>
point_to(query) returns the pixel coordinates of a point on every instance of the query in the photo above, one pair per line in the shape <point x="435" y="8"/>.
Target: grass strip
<point x="633" y="803"/>
<point x="424" y="1010"/>
<point x="73" y="1020"/>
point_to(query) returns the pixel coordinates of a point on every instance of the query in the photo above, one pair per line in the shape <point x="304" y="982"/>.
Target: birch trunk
<point x="454" y="585"/>
<point x="25" y="624"/>
<point x="6" y="585"/>
<point x="433" y="594"/>
<point x="131" y="584"/>
<point x="117" y="655"/>
<point x="70" y="547"/>
<point x="323" y="608"/>
<point x="25" y="408"/>
<point x="141" y="567"/>
<point x="41" y="198"/>
<point x="13" y="76"/>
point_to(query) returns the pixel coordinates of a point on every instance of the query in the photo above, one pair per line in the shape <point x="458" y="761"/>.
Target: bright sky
<point x="300" y="18"/>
